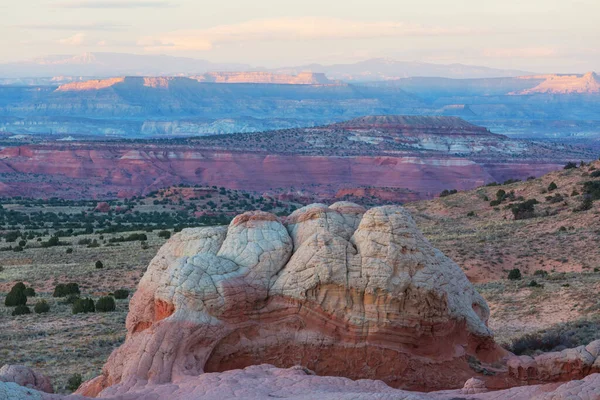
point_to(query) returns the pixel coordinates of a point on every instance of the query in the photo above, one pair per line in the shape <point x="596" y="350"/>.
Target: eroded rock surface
<point x="26" y="377"/>
<point x="337" y="289"/>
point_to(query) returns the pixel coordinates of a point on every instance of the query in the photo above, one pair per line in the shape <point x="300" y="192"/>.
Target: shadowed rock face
<point x="340" y="290"/>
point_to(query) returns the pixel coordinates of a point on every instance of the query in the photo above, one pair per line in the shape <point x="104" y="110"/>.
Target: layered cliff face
<point x="341" y="290"/>
<point x="73" y="171"/>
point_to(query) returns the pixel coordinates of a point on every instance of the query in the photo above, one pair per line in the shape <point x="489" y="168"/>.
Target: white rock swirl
<point x="327" y="287"/>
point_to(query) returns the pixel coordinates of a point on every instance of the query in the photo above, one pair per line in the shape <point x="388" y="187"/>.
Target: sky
<point x="531" y="35"/>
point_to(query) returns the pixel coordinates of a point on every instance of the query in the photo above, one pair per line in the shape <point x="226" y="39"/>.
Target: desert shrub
<point x="70" y="299"/>
<point x="541" y="273"/>
<point x="595" y="174"/>
<point x="570" y="165"/>
<point x="29" y="292"/>
<point x="524" y="210"/>
<point x="99" y="264"/>
<point x="105" y="304"/>
<point x="164" y="234"/>
<point x="495" y="203"/>
<point x="16" y="296"/>
<point x="1" y="268"/>
<point x="552" y="186"/>
<point x="41" y="307"/>
<point x="121" y="294"/>
<point x="18" y="287"/>
<point x="74" y="382"/>
<point x="63" y="290"/>
<point x="447" y="192"/>
<point x="69" y="250"/>
<point x="471" y="214"/>
<point x="83" y="306"/>
<point x="586" y="204"/>
<point x="532" y="342"/>
<point x="21" y="309"/>
<point x="131" y="238"/>
<point x="84" y="241"/>
<point x="514" y="274"/>
<point x="94" y="244"/>
<point x="592" y="188"/>
<point x="509" y="181"/>
<point x="52" y="242"/>
<point x="533" y="283"/>
<point x="557" y="198"/>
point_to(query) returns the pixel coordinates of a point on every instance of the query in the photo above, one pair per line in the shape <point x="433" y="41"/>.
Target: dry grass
<point x="59" y="343"/>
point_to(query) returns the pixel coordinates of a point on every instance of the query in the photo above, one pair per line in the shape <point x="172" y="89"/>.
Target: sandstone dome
<point x="338" y="289"/>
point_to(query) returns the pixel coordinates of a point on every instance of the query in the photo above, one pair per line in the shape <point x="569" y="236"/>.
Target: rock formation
<point x="588" y="83"/>
<point x="332" y="302"/>
<point x="26" y="377"/>
<point x="420" y="155"/>
<point x="339" y="290"/>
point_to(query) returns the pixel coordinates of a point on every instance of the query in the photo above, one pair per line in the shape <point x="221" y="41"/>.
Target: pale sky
<point x="534" y="35"/>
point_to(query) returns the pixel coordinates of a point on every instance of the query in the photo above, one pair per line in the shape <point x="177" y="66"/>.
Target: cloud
<point x="526" y="52"/>
<point x="113" y="4"/>
<point x="290" y="29"/>
<point x="74" y="27"/>
<point x="77" y="39"/>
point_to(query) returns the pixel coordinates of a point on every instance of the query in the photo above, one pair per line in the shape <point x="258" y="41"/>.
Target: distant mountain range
<point x="116" y="64"/>
<point x="111" y="64"/>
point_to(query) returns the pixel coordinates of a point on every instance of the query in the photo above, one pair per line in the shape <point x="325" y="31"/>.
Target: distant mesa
<point x="588" y="83"/>
<point x="164" y="82"/>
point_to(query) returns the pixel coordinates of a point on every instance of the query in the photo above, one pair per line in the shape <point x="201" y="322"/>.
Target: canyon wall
<point x="106" y="170"/>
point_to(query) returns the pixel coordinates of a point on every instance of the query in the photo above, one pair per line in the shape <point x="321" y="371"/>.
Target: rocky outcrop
<point x="557" y="366"/>
<point x="339" y="290"/>
<point x="26" y="377"/>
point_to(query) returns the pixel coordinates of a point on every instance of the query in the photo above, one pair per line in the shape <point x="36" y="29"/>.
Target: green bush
<point x="446" y="192"/>
<point x="595" y="174"/>
<point x="552" y="186"/>
<point x="164" y="234"/>
<point x="99" y="264"/>
<point x="74" y="382"/>
<point x="570" y="165"/>
<point x="69" y="250"/>
<point x="586" y="204"/>
<point x="121" y="294"/>
<point x="541" y="273"/>
<point x="105" y="304"/>
<point x="63" y="290"/>
<point x="514" y="274"/>
<point x="70" y="299"/>
<point x="29" y="292"/>
<point x="16" y="296"/>
<point x="83" y="306"/>
<point x="524" y="210"/>
<point x="592" y="188"/>
<point x="41" y="307"/>
<point x="21" y="309"/>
